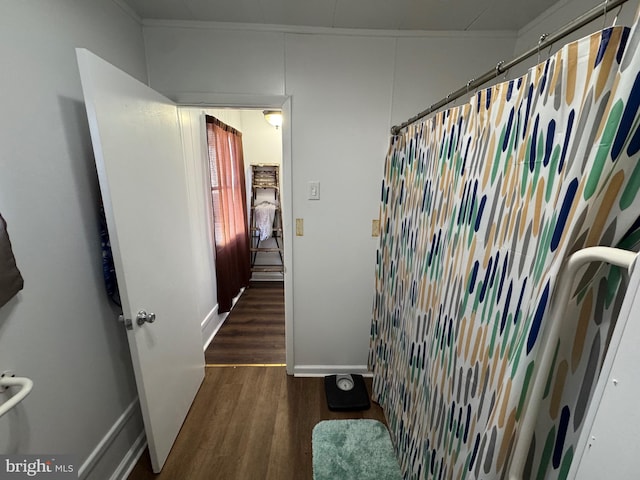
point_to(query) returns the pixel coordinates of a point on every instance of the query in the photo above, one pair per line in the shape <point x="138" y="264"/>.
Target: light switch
<point x="314" y="190"/>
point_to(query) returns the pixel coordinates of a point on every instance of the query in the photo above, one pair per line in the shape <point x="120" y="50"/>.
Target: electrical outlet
<point x="299" y="227"/>
<point x="375" y="228"/>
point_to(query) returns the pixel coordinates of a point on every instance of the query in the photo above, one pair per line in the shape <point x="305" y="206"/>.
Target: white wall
<point x="347" y="89"/>
<point x="261" y="141"/>
<point x="197" y="173"/>
<point x="61" y="330"/>
<point x="187" y="60"/>
<point x="429" y="68"/>
<point x="341" y="91"/>
<point x="558" y="16"/>
<point x="230" y="116"/>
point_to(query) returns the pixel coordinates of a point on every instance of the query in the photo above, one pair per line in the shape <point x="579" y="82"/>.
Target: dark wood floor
<point x="253" y="333"/>
<point x="249" y="423"/>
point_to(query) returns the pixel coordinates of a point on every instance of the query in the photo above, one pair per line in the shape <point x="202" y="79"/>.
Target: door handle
<point x="144" y="317"/>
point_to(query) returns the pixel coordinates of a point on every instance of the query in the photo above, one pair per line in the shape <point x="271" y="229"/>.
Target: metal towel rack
<point x="25" y="384"/>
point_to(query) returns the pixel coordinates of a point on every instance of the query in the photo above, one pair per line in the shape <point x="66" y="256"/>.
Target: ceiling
<point x="366" y="14"/>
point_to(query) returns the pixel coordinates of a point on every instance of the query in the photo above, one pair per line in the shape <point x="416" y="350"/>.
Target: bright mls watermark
<point x="50" y="467"/>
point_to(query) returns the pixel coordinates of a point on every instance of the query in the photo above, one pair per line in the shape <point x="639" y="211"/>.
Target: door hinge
<point x="127" y="321"/>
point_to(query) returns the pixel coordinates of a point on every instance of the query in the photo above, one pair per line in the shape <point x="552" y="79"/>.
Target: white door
<point x="138" y="153"/>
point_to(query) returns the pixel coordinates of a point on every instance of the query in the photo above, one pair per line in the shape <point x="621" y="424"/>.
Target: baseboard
<point x="115" y="445"/>
<point x="324" y="370"/>
<point x="210" y="326"/>
<point x="214" y="320"/>
<point x="131" y="458"/>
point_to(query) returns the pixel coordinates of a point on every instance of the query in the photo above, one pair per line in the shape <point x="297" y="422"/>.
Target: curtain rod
<point x="501" y="67"/>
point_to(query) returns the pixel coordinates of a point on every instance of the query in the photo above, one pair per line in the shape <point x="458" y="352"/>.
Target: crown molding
<point x="309" y="30"/>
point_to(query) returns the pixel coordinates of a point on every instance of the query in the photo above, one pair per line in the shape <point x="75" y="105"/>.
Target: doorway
<point x="255" y="331"/>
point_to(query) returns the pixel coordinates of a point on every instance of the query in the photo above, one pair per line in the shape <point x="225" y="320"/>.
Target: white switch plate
<point x="314" y="190"/>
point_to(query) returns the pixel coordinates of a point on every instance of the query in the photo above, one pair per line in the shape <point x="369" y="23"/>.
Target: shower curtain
<point x="480" y="205"/>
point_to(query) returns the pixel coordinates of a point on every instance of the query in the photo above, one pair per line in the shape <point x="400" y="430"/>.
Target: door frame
<point x="281" y="102"/>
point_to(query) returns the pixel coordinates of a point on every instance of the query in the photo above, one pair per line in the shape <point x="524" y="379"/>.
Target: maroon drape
<point x="228" y="198"/>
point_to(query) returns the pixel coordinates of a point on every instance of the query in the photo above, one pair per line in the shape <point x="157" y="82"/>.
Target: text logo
<point x="50" y="467"/>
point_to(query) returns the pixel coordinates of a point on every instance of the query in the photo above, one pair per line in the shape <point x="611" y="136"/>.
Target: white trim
<point x="209" y="327"/>
<point x="225" y="100"/>
<point x="104" y="444"/>
<point x="128" y="10"/>
<point x="129" y="461"/>
<point x="287" y="203"/>
<point x="200" y="99"/>
<point x="217" y="323"/>
<point x="324" y="370"/>
<point x="310" y="30"/>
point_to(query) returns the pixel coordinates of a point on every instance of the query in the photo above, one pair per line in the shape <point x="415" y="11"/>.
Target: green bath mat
<point x="353" y="450"/>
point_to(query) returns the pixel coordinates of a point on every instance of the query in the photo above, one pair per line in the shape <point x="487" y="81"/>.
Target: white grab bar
<point x="614" y="256"/>
<point x="26" y="385"/>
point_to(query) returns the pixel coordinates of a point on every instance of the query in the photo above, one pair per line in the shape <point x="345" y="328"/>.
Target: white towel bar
<point x="26" y="385"/>
<point x="614" y="256"/>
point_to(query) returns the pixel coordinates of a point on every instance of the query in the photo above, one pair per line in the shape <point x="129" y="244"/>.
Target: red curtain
<point x="228" y="198"/>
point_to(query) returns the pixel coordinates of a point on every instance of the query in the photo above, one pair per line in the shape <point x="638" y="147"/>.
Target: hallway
<point x="253" y="333"/>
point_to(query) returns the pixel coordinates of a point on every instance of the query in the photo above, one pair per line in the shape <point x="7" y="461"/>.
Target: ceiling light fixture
<point x="274" y="117"/>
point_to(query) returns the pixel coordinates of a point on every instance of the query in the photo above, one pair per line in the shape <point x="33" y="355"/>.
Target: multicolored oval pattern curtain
<point x="481" y="204"/>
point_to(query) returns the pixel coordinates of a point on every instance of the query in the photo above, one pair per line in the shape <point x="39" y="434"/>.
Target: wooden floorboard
<point x="249" y="423"/>
<point x="253" y="333"/>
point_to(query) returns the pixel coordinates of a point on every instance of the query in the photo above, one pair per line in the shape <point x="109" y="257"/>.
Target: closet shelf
<point x="256" y="229"/>
<point x="267" y="268"/>
<point x="253" y="207"/>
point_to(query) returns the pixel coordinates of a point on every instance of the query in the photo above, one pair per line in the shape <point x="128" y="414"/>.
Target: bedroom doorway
<point x="253" y="332"/>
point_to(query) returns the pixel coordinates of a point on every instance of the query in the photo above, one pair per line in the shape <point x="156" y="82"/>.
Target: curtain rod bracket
<point x="499" y="67"/>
